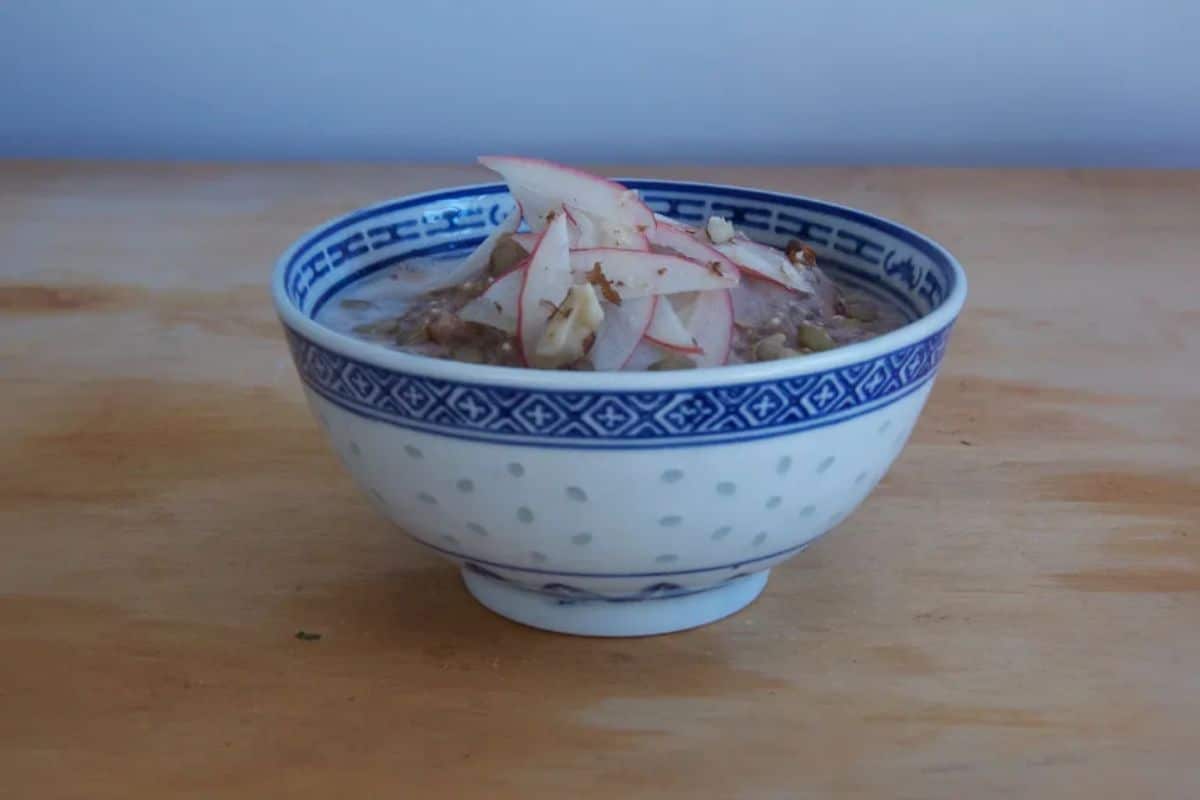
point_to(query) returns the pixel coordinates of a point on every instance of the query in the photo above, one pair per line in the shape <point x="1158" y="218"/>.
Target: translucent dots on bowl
<point x="465" y="485"/>
<point x="672" y="476"/>
<point x="721" y="532"/>
<point x="378" y="497"/>
<point x="825" y="464"/>
<point x="516" y="470"/>
<point x="808" y="511"/>
<point x="450" y="539"/>
<point x="666" y="558"/>
<point x="355" y="449"/>
<point x="577" y="494"/>
<point x="525" y="515"/>
<point x="784" y="465"/>
<point x="581" y="539"/>
<point x="858" y="479"/>
<point x="477" y="529"/>
<point x="774" y="502"/>
<point x="759" y="538"/>
<point x="726" y="488"/>
<point x="413" y="451"/>
<point x="538" y="558"/>
<point x="670" y="521"/>
<point x="885" y="427"/>
<point x="426" y="497"/>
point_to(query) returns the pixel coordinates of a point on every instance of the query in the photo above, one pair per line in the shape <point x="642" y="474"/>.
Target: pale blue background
<point x="1073" y="82"/>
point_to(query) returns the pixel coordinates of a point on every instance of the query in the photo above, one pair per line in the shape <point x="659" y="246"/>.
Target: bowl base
<point x="599" y="617"/>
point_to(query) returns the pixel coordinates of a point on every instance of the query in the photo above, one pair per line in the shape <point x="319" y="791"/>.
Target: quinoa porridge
<point x="601" y="283"/>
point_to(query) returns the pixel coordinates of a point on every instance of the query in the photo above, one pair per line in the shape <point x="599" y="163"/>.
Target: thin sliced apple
<point x="761" y="261"/>
<point x="589" y="231"/>
<point x="547" y="185"/>
<point x="624" y="326"/>
<point x="670" y="236"/>
<point x="667" y="330"/>
<point x="547" y="280"/>
<point x="497" y="307"/>
<point x="645" y="354"/>
<point x="708" y="317"/>
<point x="583" y="232"/>
<point x="632" y="273"/>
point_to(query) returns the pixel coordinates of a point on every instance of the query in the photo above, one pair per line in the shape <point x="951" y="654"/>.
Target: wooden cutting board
<point x="1015" y="612"/>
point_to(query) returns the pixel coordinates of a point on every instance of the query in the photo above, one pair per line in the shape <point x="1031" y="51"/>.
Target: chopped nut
<point x="715" y="268"/>
<point x="596" y="277"/>
<point x="720" y="230"/>
<point x="551" y="308"/>
<point x="863" y="312"/>
<point x="815" y="337"/>
<point x="773" y="348"/>
<point x="801" y="254"/>
<point x="576" y="318"/>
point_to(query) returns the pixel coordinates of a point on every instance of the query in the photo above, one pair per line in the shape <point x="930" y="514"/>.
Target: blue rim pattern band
<point x="615" y="419"/>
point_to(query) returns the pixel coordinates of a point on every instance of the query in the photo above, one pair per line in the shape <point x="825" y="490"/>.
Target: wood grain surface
<point x="1014" y="613"/>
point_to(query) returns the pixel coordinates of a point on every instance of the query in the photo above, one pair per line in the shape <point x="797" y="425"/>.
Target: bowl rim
<point x="344" y="344"/>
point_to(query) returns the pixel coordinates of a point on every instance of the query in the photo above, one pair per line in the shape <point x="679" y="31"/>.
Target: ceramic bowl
<point x="619" y="504"/>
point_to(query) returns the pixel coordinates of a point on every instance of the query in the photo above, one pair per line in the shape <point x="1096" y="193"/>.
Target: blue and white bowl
<point x="619" y="504"/>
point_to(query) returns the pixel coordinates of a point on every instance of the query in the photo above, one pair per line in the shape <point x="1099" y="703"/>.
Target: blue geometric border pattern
<point x="616" y="419"/>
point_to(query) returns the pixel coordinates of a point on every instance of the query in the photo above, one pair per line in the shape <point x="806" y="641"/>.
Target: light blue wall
<point x="1074" y="82"/>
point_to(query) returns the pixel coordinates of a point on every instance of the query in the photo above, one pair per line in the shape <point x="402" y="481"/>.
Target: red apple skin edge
<point x="649" y="317"/>
<point x="524" y="280"/>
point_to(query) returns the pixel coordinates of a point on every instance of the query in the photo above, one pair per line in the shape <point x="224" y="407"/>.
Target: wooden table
<point x="1014" y="613"/>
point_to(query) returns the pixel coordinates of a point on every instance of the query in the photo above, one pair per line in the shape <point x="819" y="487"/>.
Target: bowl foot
<point x="600" y="617"/>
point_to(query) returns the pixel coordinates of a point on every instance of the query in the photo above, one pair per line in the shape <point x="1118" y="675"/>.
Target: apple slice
<point x="497" y="307"/>
<point x="589" y="231"/>
<point x="684" y="242"/>
<point x="672" y="221"/>
<point x="667" y="330"/>
<point x="547" y="280"/>
<point x="767" y="263"/>
<point x="584" y="231"/>
<point x="708" y="317"/>
<point x="624" y="326"/>
<point x="547" y="185"/>
<point x="632" y="273"/>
